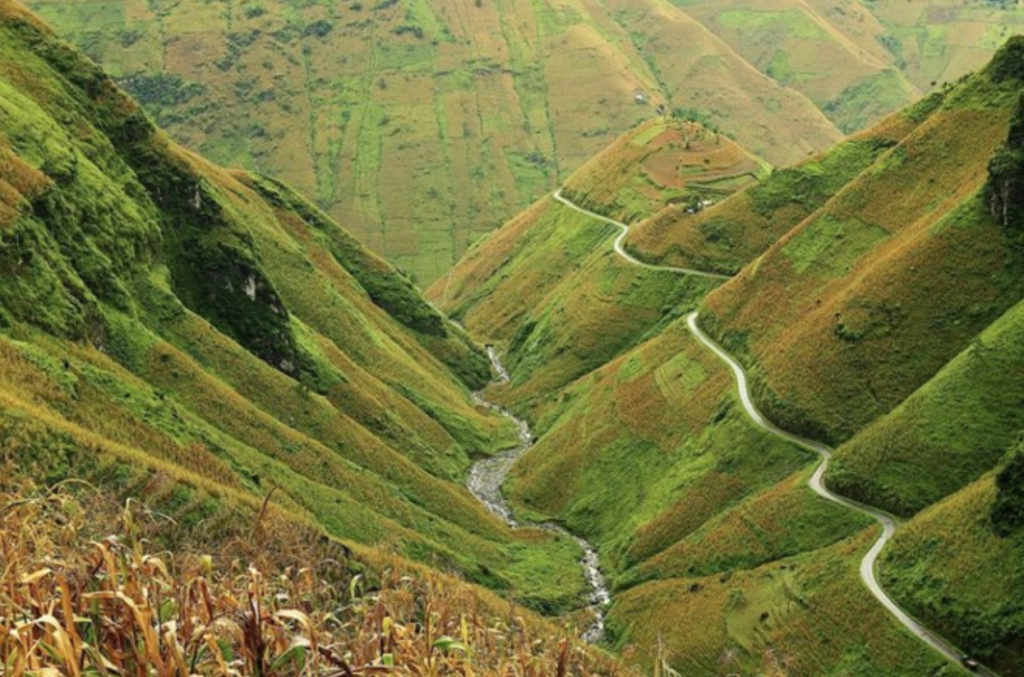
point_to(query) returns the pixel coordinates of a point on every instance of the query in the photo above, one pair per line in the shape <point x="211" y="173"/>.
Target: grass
<point x="730" y="235"/>
<point x="878" y="319"/>
<point x="663" y="161"/>
<point x="644" y="436"/>
<point x="117" y="606"/>
<point x="947" y="434"/>
<point x="953" y="568"/>
<point x="865" y="272"/>
<point x="548" y="288"/>
<point x="810" y="611"/>
<point x="214" y="344"/>
<point x="785" y="520"/>
<point x="159" y="311"/>
<point x="488" y="107"/>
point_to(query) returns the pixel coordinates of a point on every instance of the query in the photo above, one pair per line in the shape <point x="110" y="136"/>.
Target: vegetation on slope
<point x="434" y="121"/>
<point x="947" y="434"/>
<point x="957" y="565"/>
<point x="85" y="591"/>
<point x="663" y="161"/>
<point x="548" y="288"/>
<point x="654" y="435"/>
<point x="699" y="516"/>
<point x="811" y="612"/>
<point x="161" y="314"/>
<point x="858" y="296"/>
<point x="727" y="236"/>
<point x="423" y="124"/>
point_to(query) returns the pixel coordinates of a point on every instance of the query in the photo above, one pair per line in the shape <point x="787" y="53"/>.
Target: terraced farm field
<point x="421" y="125"/>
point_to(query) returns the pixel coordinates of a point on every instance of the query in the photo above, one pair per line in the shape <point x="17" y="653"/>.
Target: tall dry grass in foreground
<point x="72" y="604"/>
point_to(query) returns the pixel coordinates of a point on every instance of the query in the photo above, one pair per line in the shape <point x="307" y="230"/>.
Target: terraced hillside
<point x="172" y="330"/>
<point x="421" y="125"/>
<point x="876" y="303"/>
<point x="725" y="237"/>
<point x="662" y="162"/>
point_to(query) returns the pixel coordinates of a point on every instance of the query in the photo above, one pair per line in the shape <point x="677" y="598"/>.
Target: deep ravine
<point x="485" y="480"/>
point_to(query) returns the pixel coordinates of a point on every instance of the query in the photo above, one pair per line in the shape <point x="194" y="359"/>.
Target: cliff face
<point x="1006" y="170"/>
<point x="1006" y="176"/>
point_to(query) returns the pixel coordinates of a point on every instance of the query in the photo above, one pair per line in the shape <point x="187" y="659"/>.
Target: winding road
<point x="816" y="482"/>
<point x="621" y="251"/>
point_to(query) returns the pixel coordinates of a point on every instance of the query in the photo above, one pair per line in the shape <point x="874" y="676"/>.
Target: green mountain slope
<point x="858" y="294"/>
<point x="880" y="284"/>
<point x="547" y="285"/>
<point x="159" y="312"/>
<point x="957" y="564"/>
<point x="952" y="430"/>
<point x="421" y="125"/>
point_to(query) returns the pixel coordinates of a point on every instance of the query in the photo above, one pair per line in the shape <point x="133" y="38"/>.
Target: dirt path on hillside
<point x="488" y="475"/>
<point x="817" y="481"/>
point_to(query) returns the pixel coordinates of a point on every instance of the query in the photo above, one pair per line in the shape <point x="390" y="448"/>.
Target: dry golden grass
<point x="75" y="600"/>
<point x="18" y="182"/>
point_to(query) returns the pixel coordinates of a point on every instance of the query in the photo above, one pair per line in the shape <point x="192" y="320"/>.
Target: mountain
<point x="207" y="385"/>
<point x="207" y="342"/>
<point x="421" y="125"/>
<point x="872" y="294"/>
<point x="547" y="286"/>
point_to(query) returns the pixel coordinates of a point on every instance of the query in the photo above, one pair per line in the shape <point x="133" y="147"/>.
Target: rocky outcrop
<point x="1006" y="177"/>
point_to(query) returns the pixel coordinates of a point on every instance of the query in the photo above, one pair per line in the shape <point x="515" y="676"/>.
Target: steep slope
<point x="548" y="287"/>
<point x="806" y="46"/>
<point x="729" y="235"/>
<point x="716" y="548"/>
<point x="928" y="447"/>
<point x="940" y="41"/>
<point x="423" y="124"/>
<point x="922" y="352"/>
<point x="858" y="295"/>
<point x="957" y="565"/>
<point x="662" y="162"/>
<point x="213" y="327"/>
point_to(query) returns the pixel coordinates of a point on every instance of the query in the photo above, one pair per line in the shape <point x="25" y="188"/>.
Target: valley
<point x="485" y="480"/>
<point x="643" y="445"/>
<point x="585" y="355"/>
<point x="490" y="474"/>
<point x="422" y="125"/>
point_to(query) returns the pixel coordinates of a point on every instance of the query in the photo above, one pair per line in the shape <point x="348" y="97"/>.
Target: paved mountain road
<point x="817" y="482"/>
<point x="621" y="251"/>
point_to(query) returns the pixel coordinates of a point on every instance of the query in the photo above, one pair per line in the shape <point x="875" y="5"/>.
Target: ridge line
<point x="817" y="480"/>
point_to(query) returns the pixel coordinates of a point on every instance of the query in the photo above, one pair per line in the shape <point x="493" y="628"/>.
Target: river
<point x="488" y="475"/>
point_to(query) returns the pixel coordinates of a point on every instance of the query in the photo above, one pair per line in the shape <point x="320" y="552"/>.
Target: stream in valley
<point x="485" y="480"/>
